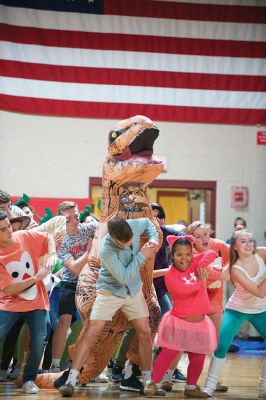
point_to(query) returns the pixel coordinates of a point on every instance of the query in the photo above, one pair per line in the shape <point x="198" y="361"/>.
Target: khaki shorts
<point x="106" y="305"/>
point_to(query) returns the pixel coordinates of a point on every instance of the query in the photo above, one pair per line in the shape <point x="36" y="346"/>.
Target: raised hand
<point x="202" y="274"/>
<point x="94" y="261"/>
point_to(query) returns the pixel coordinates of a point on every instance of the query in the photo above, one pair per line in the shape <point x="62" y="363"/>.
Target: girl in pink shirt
<point x="185" y="327"/>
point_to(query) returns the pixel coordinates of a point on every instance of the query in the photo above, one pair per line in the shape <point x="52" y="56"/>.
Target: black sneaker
<point x="136" y="371"/>
<point x="116" y="373"/>
<point x="61" y="380"/>
<point x="67" y="390"/>
<point x="131" y="384"/>
<point x="233" y="348"/>
<point x="178" y="376"/>
<point x="110" y="367"/>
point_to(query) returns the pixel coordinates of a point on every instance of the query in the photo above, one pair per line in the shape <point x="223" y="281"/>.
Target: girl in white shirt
<point x="248" y="302"/>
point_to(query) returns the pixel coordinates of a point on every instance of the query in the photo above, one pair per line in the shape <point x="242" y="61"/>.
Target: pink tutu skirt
<point x="178" y="334"/>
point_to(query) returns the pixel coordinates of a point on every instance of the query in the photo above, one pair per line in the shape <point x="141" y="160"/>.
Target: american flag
<point x="193" y="61"/>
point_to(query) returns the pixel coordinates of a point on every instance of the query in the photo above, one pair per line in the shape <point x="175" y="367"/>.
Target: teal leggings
<point x="231" y="323"/>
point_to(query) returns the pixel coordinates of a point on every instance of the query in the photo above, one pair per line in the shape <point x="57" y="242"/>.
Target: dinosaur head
<point x="129" y="168"/>
<point x="132" y="136"/>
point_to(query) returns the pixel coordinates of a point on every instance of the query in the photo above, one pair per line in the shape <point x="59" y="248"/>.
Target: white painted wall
<point x="54" y="157"/>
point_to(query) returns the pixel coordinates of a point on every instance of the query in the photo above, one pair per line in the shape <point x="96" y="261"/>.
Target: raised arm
<point x="52" y="257"/>
<point x="262" y="252"/>
<point x="203" y="260"/>
<point x="122" y="273"/>
<point x="180" y="287"/>
<point x="239" y="276"/>
<point x="160" y="272"/>
<point x="151" y="232"/>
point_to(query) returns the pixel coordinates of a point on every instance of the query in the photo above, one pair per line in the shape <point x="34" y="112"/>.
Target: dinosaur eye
<point x="113" y="135"/>
<point x="15" y="274"/>
<point x="27" y="265"/>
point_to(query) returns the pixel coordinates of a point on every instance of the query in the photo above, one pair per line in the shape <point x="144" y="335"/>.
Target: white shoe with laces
<point x="53" y="369"/>
<point x="102" y="378"/>
<point x="30" y="388"/>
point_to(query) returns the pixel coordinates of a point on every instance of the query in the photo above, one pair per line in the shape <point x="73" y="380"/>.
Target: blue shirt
<point x="120" y="265"/>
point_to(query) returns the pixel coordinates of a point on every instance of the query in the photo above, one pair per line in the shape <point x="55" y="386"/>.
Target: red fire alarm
<point x="261" y="138"/>
<point x="239" y="197"/>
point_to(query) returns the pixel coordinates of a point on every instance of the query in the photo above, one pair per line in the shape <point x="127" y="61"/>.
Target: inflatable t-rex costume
<point x="127" y="171"/>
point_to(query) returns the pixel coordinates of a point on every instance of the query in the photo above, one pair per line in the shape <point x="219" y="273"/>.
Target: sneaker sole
<point x="116" y="380"/>
<point x="66" y="393"/>
<point x="156" y="394"/>
<point x="130" y="389"/>
<point x="221" y="389"/>
<point x="31" y="392"/>
<point x="160" y="394"/>
<point x="149" y="392"/>
<point x="34" y="391"/>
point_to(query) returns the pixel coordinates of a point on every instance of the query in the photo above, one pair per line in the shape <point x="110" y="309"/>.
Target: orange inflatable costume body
<point x="128" y="169"/>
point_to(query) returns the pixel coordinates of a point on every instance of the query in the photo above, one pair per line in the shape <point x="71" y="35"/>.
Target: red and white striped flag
<point x="169" y="60"/>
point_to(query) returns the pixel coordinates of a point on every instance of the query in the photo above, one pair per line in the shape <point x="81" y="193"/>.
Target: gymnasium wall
<point x="54" y="157"/>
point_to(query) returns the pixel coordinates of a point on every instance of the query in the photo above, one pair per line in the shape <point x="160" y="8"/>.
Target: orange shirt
<point x="221" y="248"/>
<point x="214" y="285"/>
<point x="21" y="261"/>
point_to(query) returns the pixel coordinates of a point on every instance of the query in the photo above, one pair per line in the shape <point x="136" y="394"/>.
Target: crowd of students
<point x="189" y="274"/>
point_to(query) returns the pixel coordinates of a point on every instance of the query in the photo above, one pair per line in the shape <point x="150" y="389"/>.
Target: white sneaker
<point x="102" y="378"/>
<point x="54" y="369"/>
<point x="208" y="390"/>
<point x="3" y="375"/>
<point x="30" y="388"/>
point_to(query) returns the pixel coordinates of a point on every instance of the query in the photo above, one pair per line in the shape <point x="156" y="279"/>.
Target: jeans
<point x="47" y="358"/>
<point x="10" y="343"/>
<point x="37" y="321"/>
<point x="165" y="303"/>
